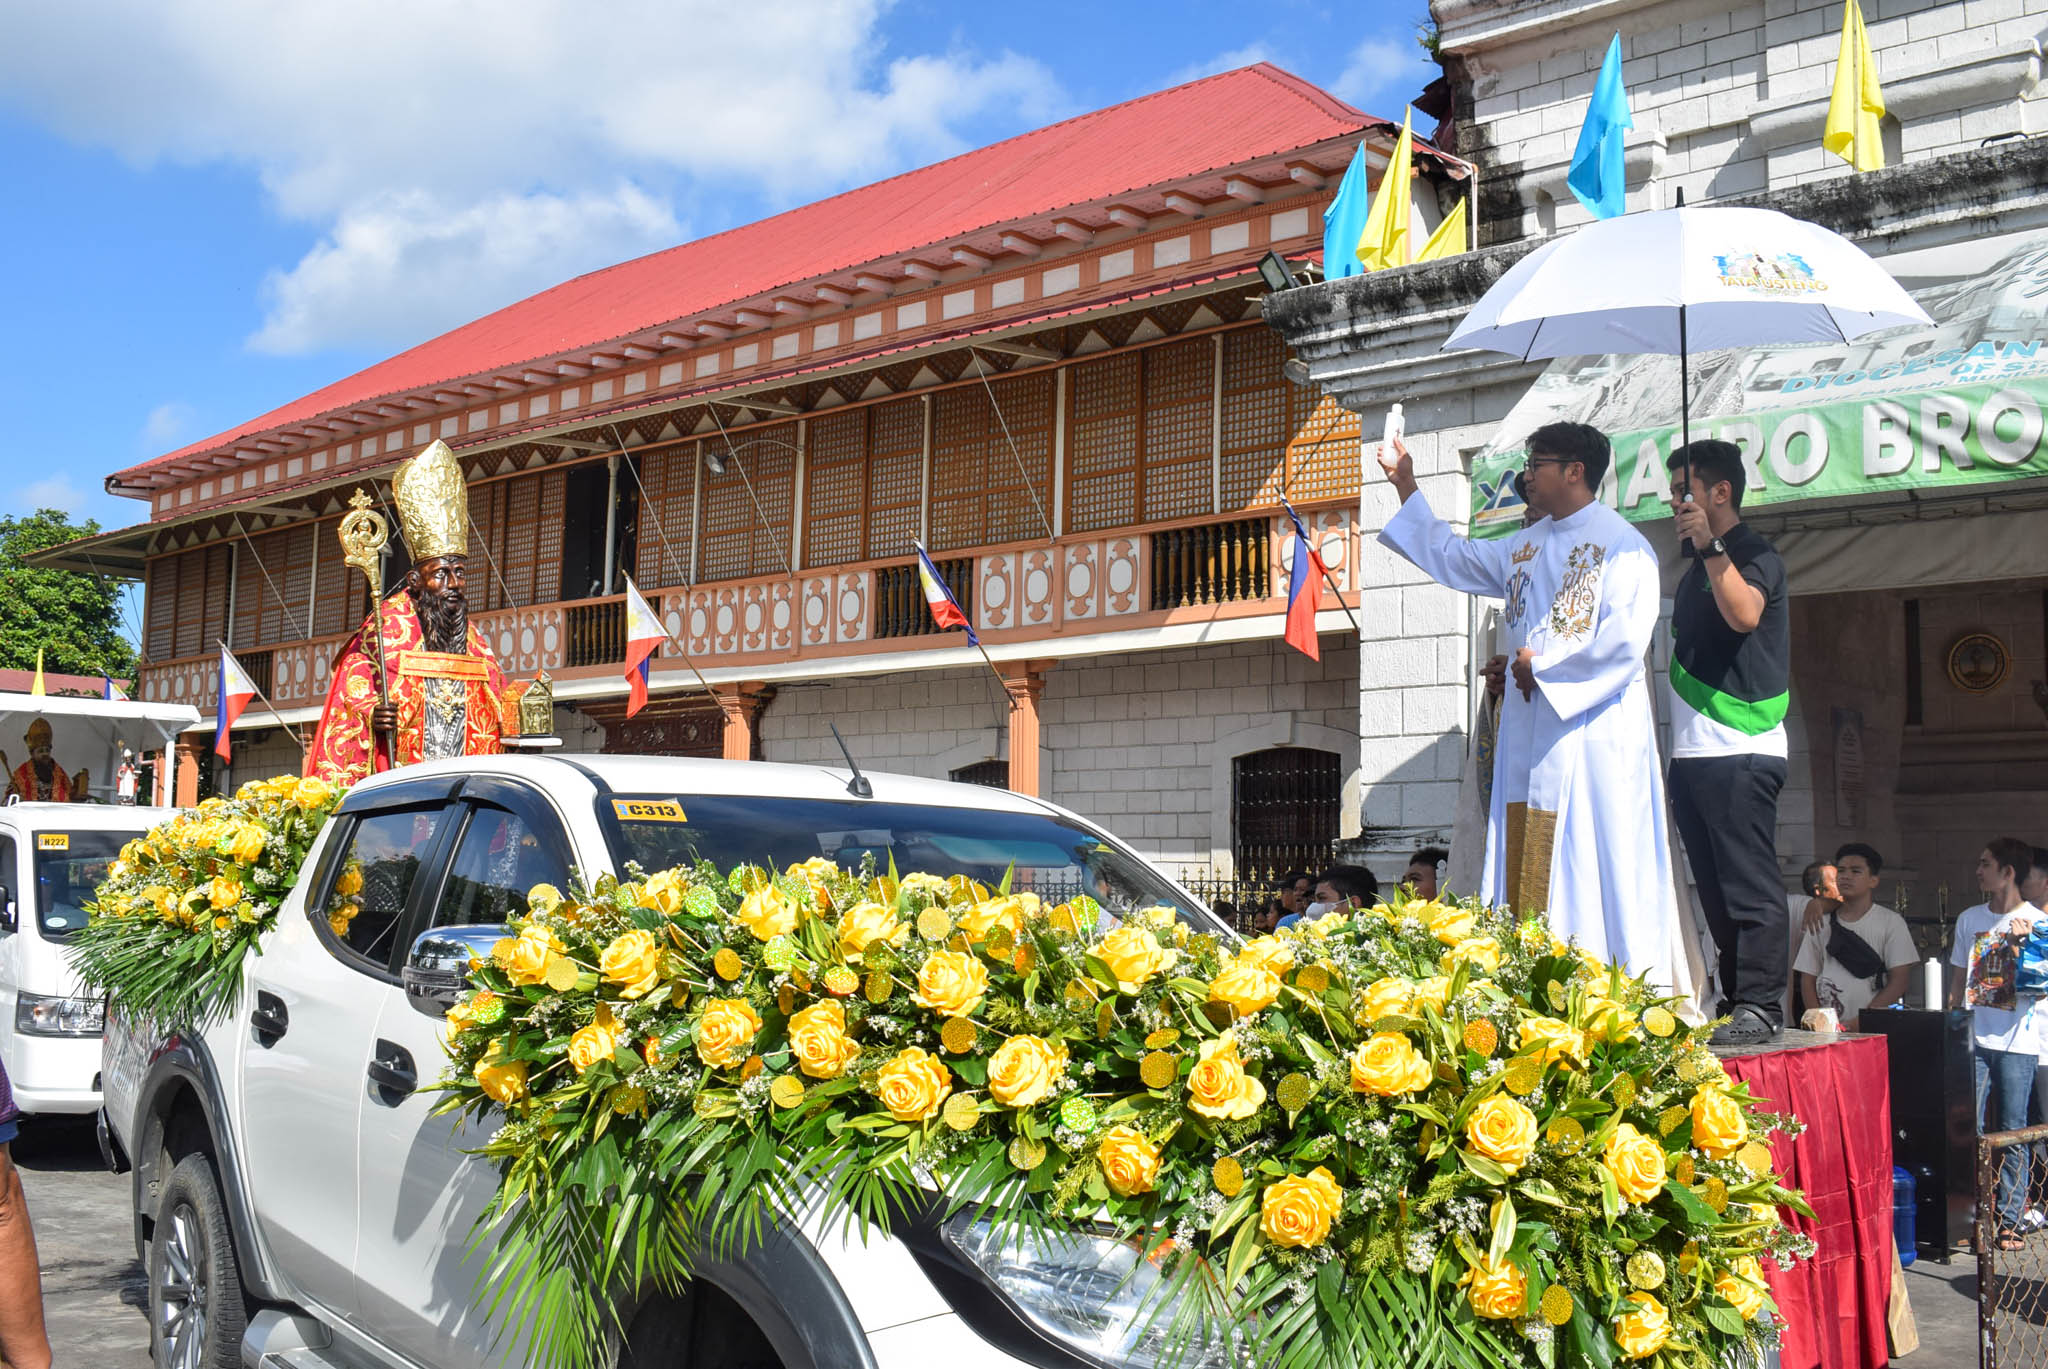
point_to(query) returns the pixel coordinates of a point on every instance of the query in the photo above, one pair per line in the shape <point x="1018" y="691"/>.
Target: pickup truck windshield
<point x="69" y="867"/>
<point x="1053" y="857"/>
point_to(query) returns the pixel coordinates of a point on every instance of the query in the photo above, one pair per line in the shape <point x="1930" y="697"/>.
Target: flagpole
<point x="678" y="642"/>
<point x="973" y="637"/>
<point x="296" y="738"/>
<point x="1328" y="578"/>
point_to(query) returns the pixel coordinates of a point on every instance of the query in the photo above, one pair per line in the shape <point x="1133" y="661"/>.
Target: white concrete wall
<point x="1731" y="99"/>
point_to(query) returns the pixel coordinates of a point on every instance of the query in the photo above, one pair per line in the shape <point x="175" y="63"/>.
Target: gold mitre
<point x="433" y="504"/>
<point x="38" y="734"/>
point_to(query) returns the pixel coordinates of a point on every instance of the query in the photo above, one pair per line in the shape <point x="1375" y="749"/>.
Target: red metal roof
<point x="1207" y="125"/>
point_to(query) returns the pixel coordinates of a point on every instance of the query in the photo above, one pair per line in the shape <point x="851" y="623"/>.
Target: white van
<point x="52" y="857"/>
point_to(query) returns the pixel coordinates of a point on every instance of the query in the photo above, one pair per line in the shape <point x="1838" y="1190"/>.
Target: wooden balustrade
<point x="596" y="633"/>
<point x="1215" y="563"/>
<point x="900" y="606"/>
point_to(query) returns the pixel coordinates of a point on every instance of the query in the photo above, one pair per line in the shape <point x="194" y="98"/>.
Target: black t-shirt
<point x="1735" y="685"/>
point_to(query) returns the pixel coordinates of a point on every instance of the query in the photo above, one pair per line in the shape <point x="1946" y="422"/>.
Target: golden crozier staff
<point x="364" y="533"/>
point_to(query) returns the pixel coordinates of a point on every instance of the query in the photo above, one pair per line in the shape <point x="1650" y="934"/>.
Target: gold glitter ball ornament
<point x="1557" y="1304"/>
<point x="1294" y="1092"/>
<point x="1077" y="1114"/>
<point x="1312" y="979"/>
<point x="958" y="1035"/>
<point x="933" y="924"/>
<point x="1565" y="1134"/>
<point x="1683" y="1171"/>
<point x="727" y="963"/>
<point x="1525" y="1075"/>
<point x="1026" y="1154"/>
<point x="1558" y="995"/>
<point x="1716" y="1195"/>
<point x="785" y="1000"/>
<point x="1482" y="1036"/>
<point x="1162" y="1038"/>
<point x="840" y="981"/>
<point x="1105" y="1018"/>
<point x="1672" y="1118"/>
<point x="787" y="1091"/>
<point x="1228" y="1176"/>
<point x="1158" y="1070"/>
<point x="1756" y="1158"/>
<point x="1625" y="1090"/>
<point x="1659" y="1021"/>
<point x="961" y="1111"/>
<point x="1645" y="1270"/>
<point x="878" y="987"/>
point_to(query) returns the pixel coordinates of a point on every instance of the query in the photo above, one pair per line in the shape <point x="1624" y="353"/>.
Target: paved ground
<point x="1944" y="1300"/>
<point x="93" y="1289"/>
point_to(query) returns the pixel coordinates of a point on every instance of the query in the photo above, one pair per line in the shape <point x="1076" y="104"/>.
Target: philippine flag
<point x="236" y="689"/>
<point x="946" y="610"/>
<point x="113" y="692"/>
<point x="1304" y="591"/>
<point x="644" y="633"/>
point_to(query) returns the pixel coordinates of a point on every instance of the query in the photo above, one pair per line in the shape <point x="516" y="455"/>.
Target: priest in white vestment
<point x="1576" y="826"/>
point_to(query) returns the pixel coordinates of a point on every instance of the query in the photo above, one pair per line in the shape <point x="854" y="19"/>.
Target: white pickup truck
<point x="297" y="1208"/>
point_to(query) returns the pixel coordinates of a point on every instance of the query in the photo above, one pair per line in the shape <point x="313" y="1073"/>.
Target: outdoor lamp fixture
<point x="1273" y="270"/>
<point x="715" y="462"/>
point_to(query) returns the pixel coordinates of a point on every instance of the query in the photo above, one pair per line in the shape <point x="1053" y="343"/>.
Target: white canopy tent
<point x="88" y="734"/>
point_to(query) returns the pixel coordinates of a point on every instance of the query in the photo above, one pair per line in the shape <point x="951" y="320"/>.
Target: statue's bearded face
<point x="437" y="587"/>
<point x="44" y="766"/>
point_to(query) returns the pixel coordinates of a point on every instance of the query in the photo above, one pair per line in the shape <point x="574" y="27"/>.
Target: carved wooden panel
<point x="1039" y="593"/>
<point x="740" y="540"/>
<point x="835" y="489"/>
<point x="850" y="607"/>
<point x="1256" y="407"/>
<point x="997" y="595"/>
<point x="1080" y="579"/>
<point x="895" y="477"/>
<point x="1102" y="444"/>
<point x="1176" y="480"/>
<point x="667" y="509"/>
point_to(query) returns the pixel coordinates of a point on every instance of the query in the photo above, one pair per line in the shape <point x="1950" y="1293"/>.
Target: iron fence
<point x="2012" y="1266"/>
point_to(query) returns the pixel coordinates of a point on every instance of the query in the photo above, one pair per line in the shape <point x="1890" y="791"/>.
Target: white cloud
<point x="1227" y="61"/>
<point x="51" y="492"/>
<point x="416" y="136"/>
<point x="1384" y="72"/>
<point x="166" y="426"/>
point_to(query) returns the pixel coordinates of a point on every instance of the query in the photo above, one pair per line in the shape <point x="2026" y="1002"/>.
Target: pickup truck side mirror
<point x="437" y="967"/>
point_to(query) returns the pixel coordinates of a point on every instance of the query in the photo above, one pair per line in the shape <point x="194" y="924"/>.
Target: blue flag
<point x="1598" y="175"/>
<point x="1344" y="221"/>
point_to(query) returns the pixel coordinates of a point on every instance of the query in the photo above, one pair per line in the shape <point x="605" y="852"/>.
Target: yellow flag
<point x="1449" y="239"/>
<point x="1857" y="102"/>
<point x="1385" y="239"/>
<point x="37" y="687"/>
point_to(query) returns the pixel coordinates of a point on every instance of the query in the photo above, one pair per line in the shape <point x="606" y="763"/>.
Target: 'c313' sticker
<point x="648" y="810"/>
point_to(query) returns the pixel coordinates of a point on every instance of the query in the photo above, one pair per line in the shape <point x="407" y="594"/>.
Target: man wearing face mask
<point x="444" y="681"/>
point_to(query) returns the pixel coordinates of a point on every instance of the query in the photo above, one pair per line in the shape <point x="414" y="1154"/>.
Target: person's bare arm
<point x="24" y="1344"/>
<point x="1816" y="916"/>
<point x="1741" y="603"/>
<point x="1809" y="991"/>
<point x="1894" y="989"/>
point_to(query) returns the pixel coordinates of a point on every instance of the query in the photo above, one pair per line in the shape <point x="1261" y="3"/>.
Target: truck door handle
<point x="270" y="1020"/>
<point x="393" y="1073"/>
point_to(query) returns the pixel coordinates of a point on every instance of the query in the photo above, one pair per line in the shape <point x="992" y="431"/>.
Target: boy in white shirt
<point x="2007" y="1042"/>
<point x="1882" y="951"/>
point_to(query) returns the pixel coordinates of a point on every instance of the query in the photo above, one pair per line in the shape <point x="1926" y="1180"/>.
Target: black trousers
<point x="1726" y="808"/>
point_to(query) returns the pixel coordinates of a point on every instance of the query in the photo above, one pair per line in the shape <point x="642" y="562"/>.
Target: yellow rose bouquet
<point x="1424" y="1125"/>
<point x="185" y="902"/>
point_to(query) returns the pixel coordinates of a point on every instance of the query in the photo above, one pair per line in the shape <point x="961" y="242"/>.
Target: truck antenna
<point x="858" y="786"/>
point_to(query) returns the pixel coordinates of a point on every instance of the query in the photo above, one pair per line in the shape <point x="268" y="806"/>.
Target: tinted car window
<point x="1053" y="857"/>
<point x="67" y="877"/>
<point x="367" y="901"/>
<point x="501" y="856"/>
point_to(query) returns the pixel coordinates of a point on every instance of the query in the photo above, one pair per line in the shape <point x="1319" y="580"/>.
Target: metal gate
<point x="2012" y="1285"/>
<point x="1284" y="810"/>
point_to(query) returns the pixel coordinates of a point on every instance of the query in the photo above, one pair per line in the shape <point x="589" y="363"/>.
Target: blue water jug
<point x="1903" y="1214"/>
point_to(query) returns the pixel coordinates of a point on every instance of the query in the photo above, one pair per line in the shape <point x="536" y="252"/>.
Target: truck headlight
<point x="1093" y="1295"/>
<point x="38" y="1015"/>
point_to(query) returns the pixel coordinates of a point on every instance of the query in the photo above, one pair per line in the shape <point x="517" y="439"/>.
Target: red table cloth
<point x="1833" y="1306"/>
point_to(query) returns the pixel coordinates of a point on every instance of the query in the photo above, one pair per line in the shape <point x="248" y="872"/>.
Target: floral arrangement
<point x="186" y="901"/>
<point x="1428" y="1124"/>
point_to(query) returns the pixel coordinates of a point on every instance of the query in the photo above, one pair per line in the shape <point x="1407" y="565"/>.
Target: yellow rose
<point x="1024" y="1069"/>
<point x="1503" y="1131"/>
<point x="664" y="892"/>
<point x="633" y="962"/>
<point x="1247" y="986"/>
<point x="1389" y="1065"/>
<point x="1558" y="1039"/>
<point x="1297" y="1211"/>
<point x="503" y="1081"/>
<point x="244" y="842"/>
<point x="1743" y="1285"/>
<point x="1268" y="953"/>
<point x="1718" y="1126"/>
<point x="1637" y="1163"/>
<point x="1448" y="925"/>
<point x="1430" y="993"/>
<point x="866" y="923"/>
<point x="913" y="1086"/>
<point x="223" y="892"/>
<point x="1385" y="998"/>
<point x="311" y="793"/>
<point x="951" y="983"/>
<point x="350" y="881"/>
<point x="1218" y="1085"/>
<point x="1609" y="1020"/>
<point x="767" y="914"/>
<point x="1130" y="1163"/>
<point x="979" y="919"/>
<point x="1325" y="925"/>
<point x="1643" y="1329"/>
<point x="1498" y="1291"/>
<point x="726" y="1032"/>
<point x="818" y="1039"/>
<point x="1482" y="953"/>
<point x="527" y="958"/>
<point x="593" y="1043"/>
<point x="1133" y="955"/>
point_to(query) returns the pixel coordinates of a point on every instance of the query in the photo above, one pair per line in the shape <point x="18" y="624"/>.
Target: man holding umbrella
<point x="1731" y="634"/>
<point x="1576" y="828"/>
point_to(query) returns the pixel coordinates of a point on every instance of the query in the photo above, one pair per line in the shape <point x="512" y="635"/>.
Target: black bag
<point x="1854" y="954"/>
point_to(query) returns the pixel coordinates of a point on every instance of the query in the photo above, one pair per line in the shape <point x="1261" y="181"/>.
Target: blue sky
<point x="248" y="200"/>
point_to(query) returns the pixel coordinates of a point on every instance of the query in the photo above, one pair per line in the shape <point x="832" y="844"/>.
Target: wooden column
<point x="1025" y="683"/>
<point x="191" y="747"/>
<point x="743" y="707"/>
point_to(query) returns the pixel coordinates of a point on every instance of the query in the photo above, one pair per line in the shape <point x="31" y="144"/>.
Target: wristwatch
<point x="1715" y="548"/>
